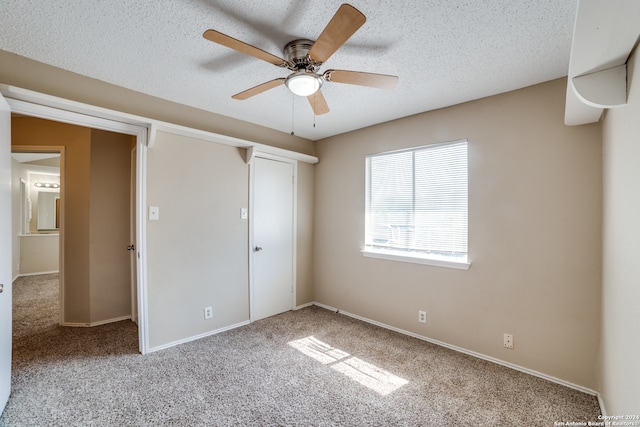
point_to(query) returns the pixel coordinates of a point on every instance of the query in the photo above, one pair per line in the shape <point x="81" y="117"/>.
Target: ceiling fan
<point x="305" y="57"/>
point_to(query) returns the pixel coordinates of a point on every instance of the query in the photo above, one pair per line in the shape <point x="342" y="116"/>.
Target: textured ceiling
<point x="444" y="51"/>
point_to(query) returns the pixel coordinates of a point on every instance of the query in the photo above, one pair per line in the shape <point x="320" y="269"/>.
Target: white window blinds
<point x="416" y="202"/>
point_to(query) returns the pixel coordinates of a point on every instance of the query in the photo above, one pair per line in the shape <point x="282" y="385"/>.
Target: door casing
<point x="6" y="302"/>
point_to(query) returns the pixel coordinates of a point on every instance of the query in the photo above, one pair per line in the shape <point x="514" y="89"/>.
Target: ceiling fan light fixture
<point x="303" y="83"/>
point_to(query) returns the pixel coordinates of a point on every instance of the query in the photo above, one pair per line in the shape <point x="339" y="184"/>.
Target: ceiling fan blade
<point x="380" y="81"/>
<point x="247" y="49"/>
<point x="318" y="103"/>
<point x="259" y="89"/>
<point x="344" y="23"/>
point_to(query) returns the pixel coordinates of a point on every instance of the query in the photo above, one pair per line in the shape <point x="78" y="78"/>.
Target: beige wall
<point x="197" y="251"/>
<point x="39" y="253"/>
<point x="304" y="242"/>
<point x="110" y="263"/>
<point x="534" y="234"/>
<point x="620" y="346"/>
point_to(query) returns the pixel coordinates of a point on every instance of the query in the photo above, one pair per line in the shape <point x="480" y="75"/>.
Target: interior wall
<point x="197" y="252"/>
<point x="31" y="131"/>
<point x="28" y="74"/>
<point x="110" y="261"/>
<point x="534" y="234"/>
<point x="304" y="238"/>
<point x="620" y="346"/>
<point x="39" y="253"/>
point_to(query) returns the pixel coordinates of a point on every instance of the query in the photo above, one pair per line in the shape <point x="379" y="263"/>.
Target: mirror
<point x="48" y="210"/>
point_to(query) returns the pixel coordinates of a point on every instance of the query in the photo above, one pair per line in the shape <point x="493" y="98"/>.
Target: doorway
<point x="37" y="235"/>
<point x="95" y="277"/>
<point x="105" y="306"/>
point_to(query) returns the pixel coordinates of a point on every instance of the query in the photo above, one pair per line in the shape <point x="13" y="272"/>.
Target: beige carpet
<point x="310" y="367"/>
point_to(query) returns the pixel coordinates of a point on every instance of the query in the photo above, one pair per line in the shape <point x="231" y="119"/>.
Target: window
<point x="416" y="205"/>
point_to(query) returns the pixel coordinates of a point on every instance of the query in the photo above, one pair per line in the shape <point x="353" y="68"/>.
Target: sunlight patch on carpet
<point x="371" y="376"/>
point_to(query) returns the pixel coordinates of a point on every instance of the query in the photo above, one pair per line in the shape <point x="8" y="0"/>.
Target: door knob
<point x="257" y="248"/>
<point x="1" y="288"/>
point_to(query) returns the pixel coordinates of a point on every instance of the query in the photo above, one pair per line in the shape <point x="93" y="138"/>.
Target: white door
<point x="272" y="257"/>
<point x="5" y="252"/>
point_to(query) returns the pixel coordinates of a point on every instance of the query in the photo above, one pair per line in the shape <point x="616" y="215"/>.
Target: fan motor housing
<point x="296" y="52"/>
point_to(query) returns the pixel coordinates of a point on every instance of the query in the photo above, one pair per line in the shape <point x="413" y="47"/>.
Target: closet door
<point x="272" y="246"/>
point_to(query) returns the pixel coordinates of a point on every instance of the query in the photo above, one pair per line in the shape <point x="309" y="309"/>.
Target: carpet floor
<point x="310" y="367"/>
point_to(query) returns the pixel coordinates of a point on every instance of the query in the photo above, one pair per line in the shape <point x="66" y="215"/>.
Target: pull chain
<point x="292" y="110"/>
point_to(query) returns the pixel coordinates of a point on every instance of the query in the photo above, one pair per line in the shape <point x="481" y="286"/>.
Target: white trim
<point x="250" y="246"/>
<point x="16" y="94"/>
<point x="300" y="307"/>
<point x="251" y="153"/>
<point x="234" y="142"/>
<point x="141" y="244"/>
<point x="101" y="322"/>
<point x="197" y="337"/>
<point x="465" y="351"/>
<point x="153" y="133"/>
<point x="38" y="273"/>
<point x="294" y="237"/>
<point x="416" y="260"/>
<point x="603" y="411"/>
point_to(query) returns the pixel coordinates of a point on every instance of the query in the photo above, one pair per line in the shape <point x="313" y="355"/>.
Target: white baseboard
<point x="101" y="322"/>
<point x="469" y="352"/>
<point x="603" y="411"/>
<point x="197" y="337"/>
<point x="300" y="307"/>
<point x="34" y="274"/>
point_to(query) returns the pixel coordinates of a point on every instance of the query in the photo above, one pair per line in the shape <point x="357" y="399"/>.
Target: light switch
<point x="154" y="213"/>
<point x="244" y="213"/>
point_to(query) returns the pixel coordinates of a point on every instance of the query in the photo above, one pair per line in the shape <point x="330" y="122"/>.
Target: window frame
<point x="406" y="256"/>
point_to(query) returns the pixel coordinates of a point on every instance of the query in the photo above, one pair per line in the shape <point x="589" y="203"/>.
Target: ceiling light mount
<point x="303" y="81"/>
<point x="296" y="53"/>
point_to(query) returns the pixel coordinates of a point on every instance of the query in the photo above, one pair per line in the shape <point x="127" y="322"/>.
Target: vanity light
<point x="47" y="185"/>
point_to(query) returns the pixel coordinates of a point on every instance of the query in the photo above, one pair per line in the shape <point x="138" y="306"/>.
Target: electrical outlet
<point x="208" y="313"/>
<point x="422" y="316"/>
<point x="508" y="341"/>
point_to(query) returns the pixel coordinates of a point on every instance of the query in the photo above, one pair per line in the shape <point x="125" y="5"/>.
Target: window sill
<point x="395" y="256"/>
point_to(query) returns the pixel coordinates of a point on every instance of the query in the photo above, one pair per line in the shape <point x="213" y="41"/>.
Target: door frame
<point x="6" y="253"/>
<point x="251" y="154"/>
<point x="50" y="108"/>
